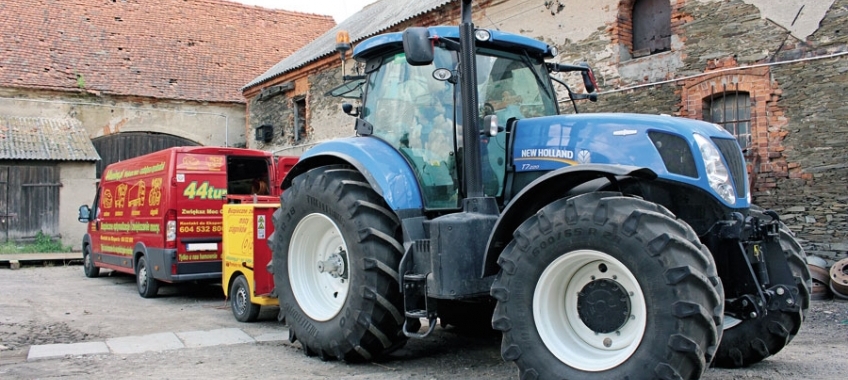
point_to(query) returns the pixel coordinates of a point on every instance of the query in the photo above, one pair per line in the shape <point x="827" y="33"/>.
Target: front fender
<point x="384" y="168"/>
<point x="544" y="190"/>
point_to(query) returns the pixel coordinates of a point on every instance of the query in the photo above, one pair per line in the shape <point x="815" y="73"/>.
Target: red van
<point x="159" y="216"/>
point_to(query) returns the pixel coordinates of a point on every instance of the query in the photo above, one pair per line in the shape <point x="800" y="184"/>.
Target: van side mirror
<point x="417" y="46"/>
<point x="84" y="214"/>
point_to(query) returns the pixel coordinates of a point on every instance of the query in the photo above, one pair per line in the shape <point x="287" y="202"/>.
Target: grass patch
<point x="42" y="244"/>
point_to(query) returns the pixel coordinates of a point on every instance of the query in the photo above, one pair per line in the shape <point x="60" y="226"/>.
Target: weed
<point x="42" y="244"/>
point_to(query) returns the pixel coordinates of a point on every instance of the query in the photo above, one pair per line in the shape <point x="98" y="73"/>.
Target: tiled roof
<point x="202" y="50"/>
<point x="38" y="138"/>
<point x="371" y="20"/>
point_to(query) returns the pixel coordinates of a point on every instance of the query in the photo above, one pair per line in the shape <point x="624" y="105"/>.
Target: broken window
<point x="651" y="27"/>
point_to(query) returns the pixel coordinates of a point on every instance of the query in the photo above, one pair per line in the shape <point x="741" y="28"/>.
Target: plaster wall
<point x="211" y="124"/>
<point x="78" y="188"/>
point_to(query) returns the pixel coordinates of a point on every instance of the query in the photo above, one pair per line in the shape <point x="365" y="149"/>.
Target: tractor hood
<point x="667" y="145"/>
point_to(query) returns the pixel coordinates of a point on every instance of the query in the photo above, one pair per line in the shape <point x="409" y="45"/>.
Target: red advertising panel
<point x="201" y="185"/>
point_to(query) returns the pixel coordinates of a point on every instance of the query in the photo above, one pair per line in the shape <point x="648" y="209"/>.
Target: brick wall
<point x="799" y="121"/>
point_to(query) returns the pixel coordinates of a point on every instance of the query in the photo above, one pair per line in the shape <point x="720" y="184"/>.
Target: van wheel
<point x="147" y="285"/>
<point x="88" y="266"/>
<point x="243" y="309"/>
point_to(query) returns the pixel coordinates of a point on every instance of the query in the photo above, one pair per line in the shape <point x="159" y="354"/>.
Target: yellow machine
<point x="246" y="281"/>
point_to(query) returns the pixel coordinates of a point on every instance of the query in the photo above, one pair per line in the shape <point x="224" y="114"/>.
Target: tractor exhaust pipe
<point x="471" y="162"/>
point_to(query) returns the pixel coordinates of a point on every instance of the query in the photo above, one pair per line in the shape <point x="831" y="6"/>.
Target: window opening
<point x="651" y="27"/>
<point x="299" y="119"/>
<point x="731" y="109"/>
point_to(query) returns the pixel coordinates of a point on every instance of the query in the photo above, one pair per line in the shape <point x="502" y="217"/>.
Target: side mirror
<point x="348" y="109"/>
<point x="417" y="46"/>
<point x="588" y="78"/>
<point x="84" y="214"/>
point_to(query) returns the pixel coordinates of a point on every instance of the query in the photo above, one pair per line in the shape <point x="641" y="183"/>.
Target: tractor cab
<point x="418" y="108"/>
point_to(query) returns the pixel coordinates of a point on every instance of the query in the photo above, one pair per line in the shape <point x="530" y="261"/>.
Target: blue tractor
<point x="600" y="245"/>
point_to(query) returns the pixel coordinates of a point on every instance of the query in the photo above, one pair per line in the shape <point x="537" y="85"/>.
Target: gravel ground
<point x="44" y="305"/>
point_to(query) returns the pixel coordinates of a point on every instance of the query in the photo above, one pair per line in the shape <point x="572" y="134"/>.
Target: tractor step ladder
<point x="415" y="301"/>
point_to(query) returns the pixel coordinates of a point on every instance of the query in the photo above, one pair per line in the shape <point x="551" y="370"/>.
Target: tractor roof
<point x="500" y="40"/>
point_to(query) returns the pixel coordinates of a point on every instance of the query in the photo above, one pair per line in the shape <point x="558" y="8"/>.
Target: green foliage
<point x="42" y="244"/>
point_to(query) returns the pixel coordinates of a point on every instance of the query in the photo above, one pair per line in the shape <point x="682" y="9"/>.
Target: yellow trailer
<point x="246" y="281"/>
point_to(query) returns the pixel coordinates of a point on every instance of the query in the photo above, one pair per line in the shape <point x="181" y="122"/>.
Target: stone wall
<point x="789" y="55"/>
<point x="798" y="155"/>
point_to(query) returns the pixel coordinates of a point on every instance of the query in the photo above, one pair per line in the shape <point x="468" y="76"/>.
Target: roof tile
<point x="371" y="20"/>
<point x="202" y="50"/>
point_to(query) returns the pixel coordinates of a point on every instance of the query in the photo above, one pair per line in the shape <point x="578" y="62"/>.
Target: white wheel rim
<point x="320" y="292"/>
<point x="558" y="323"/>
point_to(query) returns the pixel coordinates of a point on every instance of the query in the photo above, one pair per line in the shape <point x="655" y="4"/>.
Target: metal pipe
<point x="472" y="166"/>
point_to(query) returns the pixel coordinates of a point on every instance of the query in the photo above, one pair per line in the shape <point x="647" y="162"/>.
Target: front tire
<point x="608" y="286"/>
<point x="335" y="260"/>
<point x="751" y="341"/>
<point x="91" y="270"/>
<point x="147" y="285"/>
<point x="243" y="309"/>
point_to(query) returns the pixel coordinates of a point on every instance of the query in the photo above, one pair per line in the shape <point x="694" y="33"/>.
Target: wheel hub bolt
<point x="607" y="342"/>
<point x="780" y="291"/>
<point x="753" y="314"/>
<point x="334" y="266"/>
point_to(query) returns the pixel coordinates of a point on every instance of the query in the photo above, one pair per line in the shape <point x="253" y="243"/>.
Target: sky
<point x="339" y="9"/>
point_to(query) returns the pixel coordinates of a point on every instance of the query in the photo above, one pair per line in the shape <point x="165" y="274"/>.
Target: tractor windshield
<point x="418" y="115"/>
<point x="415" y="113"/>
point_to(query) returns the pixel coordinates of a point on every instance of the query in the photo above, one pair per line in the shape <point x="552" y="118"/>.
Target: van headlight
<point x="717" y="174"/>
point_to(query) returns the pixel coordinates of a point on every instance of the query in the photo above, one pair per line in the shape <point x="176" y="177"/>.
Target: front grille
<point x="729" y="148"/>
<point x="675" y="153"/>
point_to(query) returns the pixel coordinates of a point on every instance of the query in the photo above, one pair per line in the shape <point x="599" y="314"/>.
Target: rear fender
<point x="384" y="168"/>
<point x="139" y="250"/>
<point x="544" y="190"/>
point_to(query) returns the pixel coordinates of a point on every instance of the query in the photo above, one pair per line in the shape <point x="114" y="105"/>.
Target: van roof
<point x="219" y="150"/>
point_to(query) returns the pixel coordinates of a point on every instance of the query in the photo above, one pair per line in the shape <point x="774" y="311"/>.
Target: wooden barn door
<point x="30" y="201"/>
<point x="4" y="201"/>
<point x="121" y="146"/>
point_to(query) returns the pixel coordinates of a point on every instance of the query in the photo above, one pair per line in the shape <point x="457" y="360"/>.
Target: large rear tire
<point x="607" y="286"/>
<point x="750" y="341"/>
<point x="335" y="259"/>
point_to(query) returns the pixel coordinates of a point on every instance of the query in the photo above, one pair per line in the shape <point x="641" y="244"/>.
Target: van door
<point x="201" y="185"/>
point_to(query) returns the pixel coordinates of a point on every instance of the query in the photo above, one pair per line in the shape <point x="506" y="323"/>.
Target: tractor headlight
<point x="717" y="174"/>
